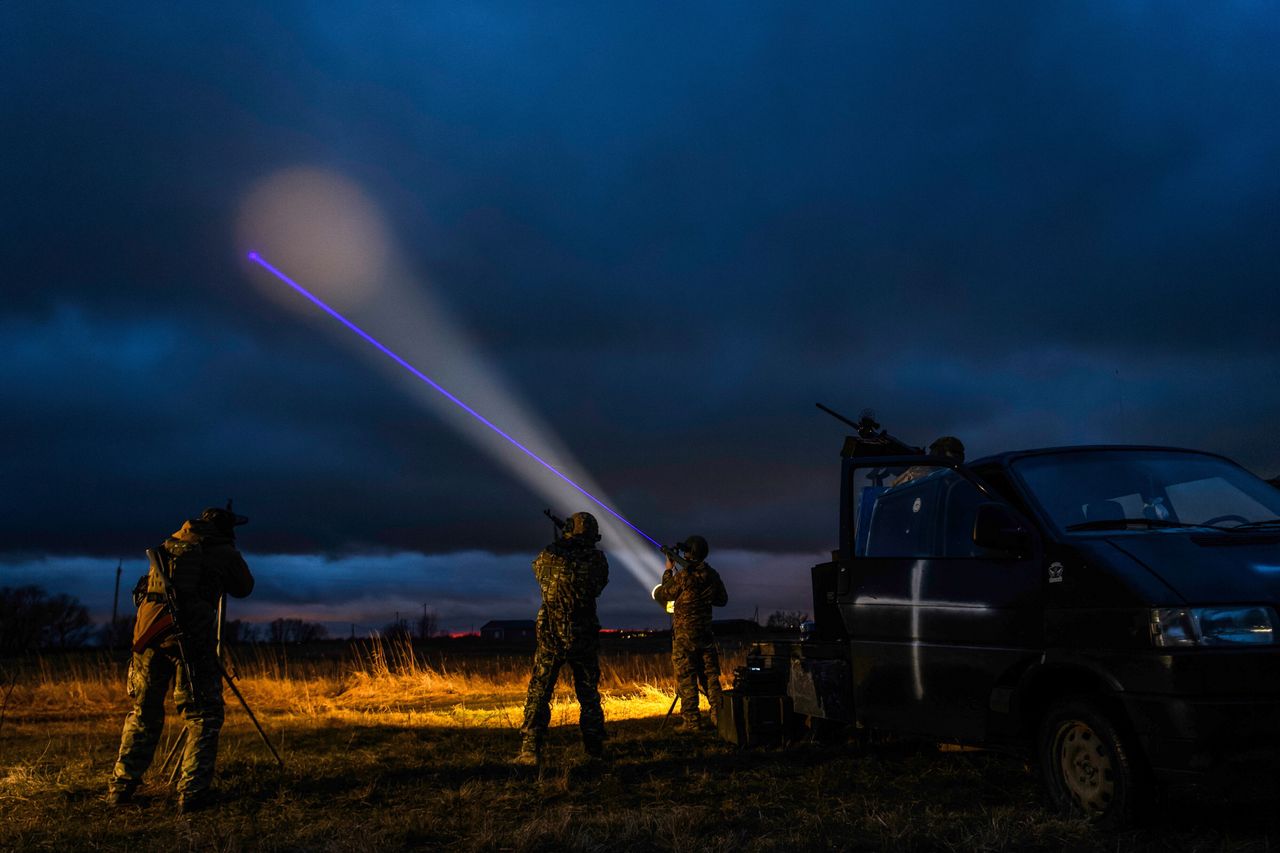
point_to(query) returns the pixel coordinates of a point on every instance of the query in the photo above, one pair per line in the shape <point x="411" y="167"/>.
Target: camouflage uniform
<point x="204" y="564"/>
<point x="695" y="591"/>
<point x="572" y="573"/>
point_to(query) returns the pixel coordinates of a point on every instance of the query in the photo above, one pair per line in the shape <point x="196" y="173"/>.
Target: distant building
<point x="734" y="627"/>
<point x="508" y="629"/>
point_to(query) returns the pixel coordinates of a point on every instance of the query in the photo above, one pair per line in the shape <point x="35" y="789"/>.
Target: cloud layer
<point x="668" y="232"/>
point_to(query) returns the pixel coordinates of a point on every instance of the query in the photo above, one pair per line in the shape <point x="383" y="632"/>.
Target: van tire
<point x="1089" y="765"/>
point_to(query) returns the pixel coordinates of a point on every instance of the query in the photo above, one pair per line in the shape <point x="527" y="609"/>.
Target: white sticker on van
<point x="1055" y="573"/>
<point x="915" y="507"/>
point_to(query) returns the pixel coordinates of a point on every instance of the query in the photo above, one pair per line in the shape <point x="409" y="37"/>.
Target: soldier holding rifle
<point x="189" y="573"/>
<point x="691" y="592"/>
<point x="572" y="573"/>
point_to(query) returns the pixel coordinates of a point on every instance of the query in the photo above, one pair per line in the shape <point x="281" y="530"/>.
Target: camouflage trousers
<point x="150" y="674"/>
<point x="696" y="661"/>
<point x="584" y="663"/>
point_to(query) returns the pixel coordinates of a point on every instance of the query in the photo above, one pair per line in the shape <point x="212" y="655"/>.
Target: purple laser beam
<point x="378" y="345"/>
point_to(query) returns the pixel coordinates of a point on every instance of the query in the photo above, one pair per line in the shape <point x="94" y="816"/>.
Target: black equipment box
<point x="753" y="720"/>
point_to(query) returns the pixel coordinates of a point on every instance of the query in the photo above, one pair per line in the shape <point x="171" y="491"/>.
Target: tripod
<point x="230" y="679"/>
<point x="702" y="688"/>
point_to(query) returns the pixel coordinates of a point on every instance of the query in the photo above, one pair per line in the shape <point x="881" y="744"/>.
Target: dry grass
<point x="366" y="683"/>
<point x="401" y="748"/>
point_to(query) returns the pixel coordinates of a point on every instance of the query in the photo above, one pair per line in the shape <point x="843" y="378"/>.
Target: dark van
<point x="1110" y="609"/>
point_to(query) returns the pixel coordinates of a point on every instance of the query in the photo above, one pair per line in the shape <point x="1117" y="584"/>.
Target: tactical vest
<point x="570" y="582"/>
<point x="197" y="592"/>
<point x="192" y="584"/>
<point x="700" y="590"/>
<point x="566" y="593"/>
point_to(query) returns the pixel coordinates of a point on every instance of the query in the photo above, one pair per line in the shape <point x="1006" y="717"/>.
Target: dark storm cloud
<point x="1022" y="223"/>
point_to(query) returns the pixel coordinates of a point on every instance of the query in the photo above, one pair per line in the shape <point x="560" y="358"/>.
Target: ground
<point x="380" y="759"/>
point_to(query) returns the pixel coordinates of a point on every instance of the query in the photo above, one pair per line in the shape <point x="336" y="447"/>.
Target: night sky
<point x="646" y="239"/>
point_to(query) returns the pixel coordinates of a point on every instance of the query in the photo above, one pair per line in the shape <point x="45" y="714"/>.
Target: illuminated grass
<point x="408" y="749"/>
<point x="379" y="683"/>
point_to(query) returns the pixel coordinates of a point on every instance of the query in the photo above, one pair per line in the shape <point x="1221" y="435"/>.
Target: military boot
<point x="594" y="748"/>
<point x="194" y="801"/>
<point x="121" y="793"/>
<point x="530" y="754"/>
<point x="688" y="724"/>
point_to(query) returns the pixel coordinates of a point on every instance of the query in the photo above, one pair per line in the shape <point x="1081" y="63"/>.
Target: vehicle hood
<point x="1210" y="568"/>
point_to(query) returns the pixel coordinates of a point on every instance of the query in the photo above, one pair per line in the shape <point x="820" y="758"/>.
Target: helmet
<point x="224" y="519"/>
<point x="695" y="548"/>
<point x="949" y="446"/>
<point x="582" y="525"/>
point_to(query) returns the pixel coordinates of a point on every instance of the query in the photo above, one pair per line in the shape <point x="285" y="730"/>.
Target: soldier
<point x="948" y="447"/>
<point x="572" y="573"/>
<point x="694" y="590"/>
<point x="203" y="563"/>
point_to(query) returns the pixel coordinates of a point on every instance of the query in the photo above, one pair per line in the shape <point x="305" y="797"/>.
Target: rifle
<point x="673" y="554"/>
<point x="679" y="564"/>
<point x="172" y="627"/>
<point x="160" y="567"/>
<point x="557" y="523"/>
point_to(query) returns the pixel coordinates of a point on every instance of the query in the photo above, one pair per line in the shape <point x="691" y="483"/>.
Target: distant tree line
<point x="423" y="627"/>
<point x="294" y="631"/>
<point x="786" y="619"/>
<point x="31" y="620"/>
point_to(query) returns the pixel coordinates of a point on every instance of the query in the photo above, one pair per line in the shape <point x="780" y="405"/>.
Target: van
<point x="1109" y="609"/>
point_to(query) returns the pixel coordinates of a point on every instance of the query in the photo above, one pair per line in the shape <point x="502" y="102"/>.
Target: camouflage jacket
<point x="695" y="591"/>
<point x="572" y="576"/>
<point x="204" y="564"/>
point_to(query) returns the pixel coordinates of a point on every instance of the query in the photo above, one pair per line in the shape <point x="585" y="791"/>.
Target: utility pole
<point x="115" y="603"/>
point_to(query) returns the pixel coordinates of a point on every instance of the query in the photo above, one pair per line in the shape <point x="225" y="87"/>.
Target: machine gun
<point x="871" y="439"/>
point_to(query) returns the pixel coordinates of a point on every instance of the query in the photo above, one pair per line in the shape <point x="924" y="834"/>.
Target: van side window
<point x="902" y="521"/>
<point x="916" y="512"/>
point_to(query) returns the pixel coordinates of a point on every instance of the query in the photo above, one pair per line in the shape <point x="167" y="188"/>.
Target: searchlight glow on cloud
<point x="302" y="211"/>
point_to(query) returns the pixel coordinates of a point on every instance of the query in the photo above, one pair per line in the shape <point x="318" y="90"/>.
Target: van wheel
<point x="1088" y="766"/>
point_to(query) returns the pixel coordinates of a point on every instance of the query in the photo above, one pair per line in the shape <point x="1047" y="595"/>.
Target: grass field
<point x="398" y="748"/>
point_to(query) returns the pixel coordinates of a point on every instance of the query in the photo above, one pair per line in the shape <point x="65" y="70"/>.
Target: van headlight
<point x="1212" y="626"/>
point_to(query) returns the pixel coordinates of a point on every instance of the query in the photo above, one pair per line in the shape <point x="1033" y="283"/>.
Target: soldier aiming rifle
<point x="571" y="574"/>
<point x="689" y="589"/>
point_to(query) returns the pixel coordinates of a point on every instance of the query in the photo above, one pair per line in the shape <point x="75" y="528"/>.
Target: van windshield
<point x="1147" y="489"/>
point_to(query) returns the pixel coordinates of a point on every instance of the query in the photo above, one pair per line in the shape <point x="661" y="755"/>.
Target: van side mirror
<point x="996" y="528"/>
